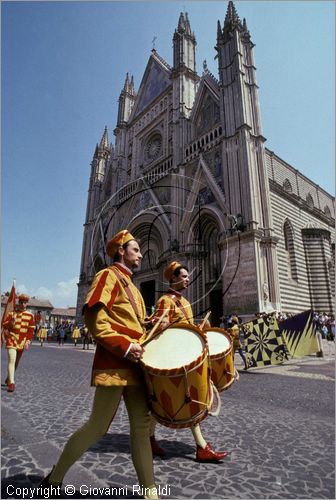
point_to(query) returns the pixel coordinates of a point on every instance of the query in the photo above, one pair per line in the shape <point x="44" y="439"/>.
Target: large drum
<point x="176" y="368"/>
<point x="221" y="357"/>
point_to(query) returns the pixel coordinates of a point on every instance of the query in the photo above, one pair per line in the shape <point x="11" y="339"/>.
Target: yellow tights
<point x="105" y="405"/>
<point x="195" y="429"/>
<point x="11" y="353"/>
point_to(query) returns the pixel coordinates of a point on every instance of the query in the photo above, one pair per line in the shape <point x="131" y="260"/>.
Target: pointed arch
<point x="204" y="243"/>
<point x="205" y="232"/>
<point x="289" y="242"/>
<point x="153" y="234"/>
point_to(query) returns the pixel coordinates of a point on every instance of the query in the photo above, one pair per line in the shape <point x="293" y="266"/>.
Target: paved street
<point x="277" y="422"/>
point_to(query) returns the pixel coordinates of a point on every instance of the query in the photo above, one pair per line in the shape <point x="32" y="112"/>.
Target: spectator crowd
<point x="62" y="332"/>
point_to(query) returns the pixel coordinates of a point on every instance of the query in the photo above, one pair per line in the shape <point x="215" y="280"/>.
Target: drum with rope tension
<point x="221" y="357"/>
<point x="176" y="368"/>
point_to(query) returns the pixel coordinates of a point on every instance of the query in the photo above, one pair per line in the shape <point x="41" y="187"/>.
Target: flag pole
<point x="9" y="308"/>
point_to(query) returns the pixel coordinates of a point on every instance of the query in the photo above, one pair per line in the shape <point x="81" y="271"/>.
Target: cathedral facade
<point x="189" y="175"/>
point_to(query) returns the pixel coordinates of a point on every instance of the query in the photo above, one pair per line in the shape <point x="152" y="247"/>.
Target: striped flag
<point x="299" y="334"/>
<point x="10" y="306"/>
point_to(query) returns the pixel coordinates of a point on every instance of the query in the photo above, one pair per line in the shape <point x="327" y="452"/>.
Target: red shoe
<point x="11" y="388"/>
<point x="156" y="448"/>
<point x="209" y="455"/>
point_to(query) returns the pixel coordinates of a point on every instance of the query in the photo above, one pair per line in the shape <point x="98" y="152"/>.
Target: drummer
<point x="180" y="311"/>
<point x="114" y="312"/>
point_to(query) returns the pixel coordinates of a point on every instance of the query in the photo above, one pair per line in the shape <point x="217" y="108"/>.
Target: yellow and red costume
<point x="118" y="325"/>
<point x="114" y="313"/>
<point x="19" y="328"/>
<point x="180" y="310"/>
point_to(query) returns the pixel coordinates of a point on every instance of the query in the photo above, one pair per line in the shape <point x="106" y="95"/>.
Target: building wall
<point x="289" y="192"/>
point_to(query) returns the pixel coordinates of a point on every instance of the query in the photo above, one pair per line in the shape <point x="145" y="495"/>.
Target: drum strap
<point x="129" y="294"/>
<point x="180" y="306"/>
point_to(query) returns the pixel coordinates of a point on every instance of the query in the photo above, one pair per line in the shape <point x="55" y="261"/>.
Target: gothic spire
<point x="126" y="84"/>
<point x="219" y="29"/>
<point x="104" y="143"/>
<point x="231" y="15"/>
<point x="183" y="27"/>
<point x="231" y="23"/>
<point x="181" y="24"/>
<point x="184" y="43"/>
<point x="187" y="24"/>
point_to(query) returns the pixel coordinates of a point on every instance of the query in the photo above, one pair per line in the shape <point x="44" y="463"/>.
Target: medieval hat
<point x="117" y="241"/>
<point x="169" y="271"/>
<point x="23" y="297"/>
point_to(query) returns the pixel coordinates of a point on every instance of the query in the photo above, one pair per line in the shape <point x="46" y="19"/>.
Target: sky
<point x="63" y="67"/>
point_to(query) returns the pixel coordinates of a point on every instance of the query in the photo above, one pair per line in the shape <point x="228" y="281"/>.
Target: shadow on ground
<point x="119" y="443"/>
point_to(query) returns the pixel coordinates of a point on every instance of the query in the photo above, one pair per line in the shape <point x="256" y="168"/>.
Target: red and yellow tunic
<point x="180" y="310"/>
<point x="115" y="323"/>
<point x="22" y="331"/>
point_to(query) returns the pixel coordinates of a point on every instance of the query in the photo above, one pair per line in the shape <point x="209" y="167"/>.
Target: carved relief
<point x="206" y="196"/>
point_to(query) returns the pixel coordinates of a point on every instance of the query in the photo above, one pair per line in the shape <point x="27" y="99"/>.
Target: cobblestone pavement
<point x="277" y="423"/>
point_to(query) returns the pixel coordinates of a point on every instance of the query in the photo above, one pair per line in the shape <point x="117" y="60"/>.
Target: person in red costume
<point x="19" y="330"/>
<point x="114" y="313"/>
<point x="180" y="311"/>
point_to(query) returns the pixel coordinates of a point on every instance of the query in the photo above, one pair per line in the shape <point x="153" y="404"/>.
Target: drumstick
<point x="153" y="330"/>
<point x="202" y="325"/>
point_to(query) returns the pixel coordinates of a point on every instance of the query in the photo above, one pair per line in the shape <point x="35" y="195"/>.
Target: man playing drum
<point x="114" y="313"/>
<point x="180" y="311"/>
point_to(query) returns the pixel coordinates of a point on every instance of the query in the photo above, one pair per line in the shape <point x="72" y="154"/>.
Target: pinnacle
<point x="126" y="84"/>
<point x="219" y="29"/>
<point x="181" y="24"/>
<point x="104" y="143"/>
<point x="231" y="14"/>
<point x="187" y="24"/>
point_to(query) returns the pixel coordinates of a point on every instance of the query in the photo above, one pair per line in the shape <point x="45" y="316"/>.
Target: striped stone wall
<point x="309" y="212"/>
<point x="282" y="173"/>
<point x="318" y="255"/>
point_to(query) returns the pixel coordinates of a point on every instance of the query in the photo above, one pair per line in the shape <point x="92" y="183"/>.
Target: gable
<point x="205" y="188"/>
<point x="207" y="114"/>
<point x="156" y="80"/>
